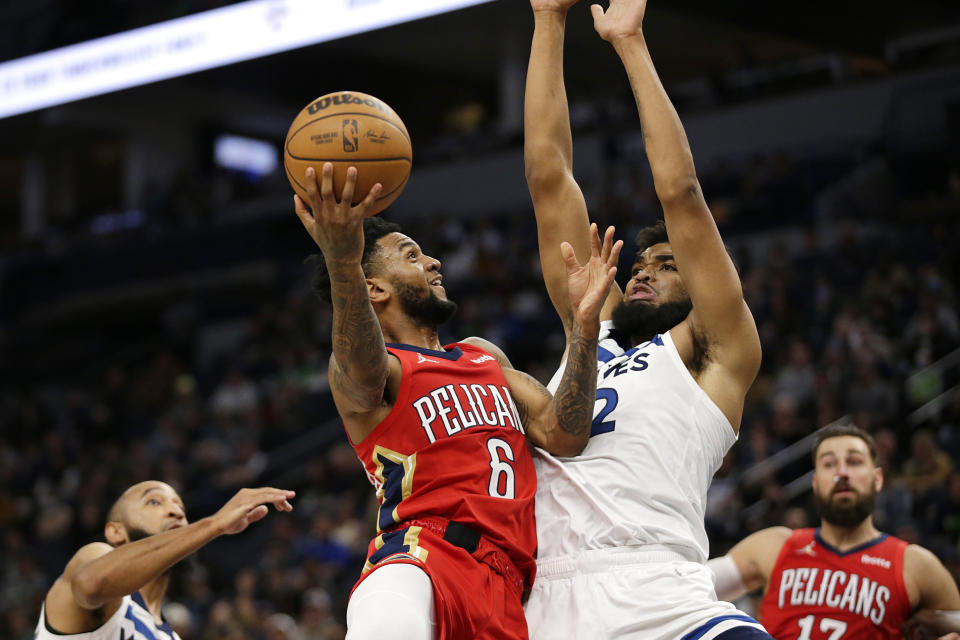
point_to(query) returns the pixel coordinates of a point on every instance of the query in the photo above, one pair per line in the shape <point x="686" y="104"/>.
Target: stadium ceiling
<point x="462" y="57"/>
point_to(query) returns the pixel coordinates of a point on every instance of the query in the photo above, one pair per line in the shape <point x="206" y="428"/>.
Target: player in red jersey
<point x="441" y="430"/>
<point x="845" y="579"/>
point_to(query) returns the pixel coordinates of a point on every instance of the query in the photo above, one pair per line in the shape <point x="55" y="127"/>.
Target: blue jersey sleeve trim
<point x="603" y="355"/>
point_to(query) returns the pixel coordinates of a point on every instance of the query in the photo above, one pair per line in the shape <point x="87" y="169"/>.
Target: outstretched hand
<point x="335" y="225"/>
<point x="589" y="284"/>
<point x="249" y="505"/>
<point x="622" y="19"/>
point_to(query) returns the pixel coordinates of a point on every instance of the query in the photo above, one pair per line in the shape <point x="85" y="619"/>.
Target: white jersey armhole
<point x="729" y="437"/>
<point x="109" y="630"/>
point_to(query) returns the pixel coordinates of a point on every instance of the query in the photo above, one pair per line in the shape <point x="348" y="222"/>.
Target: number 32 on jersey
<point x="609" y="399"/>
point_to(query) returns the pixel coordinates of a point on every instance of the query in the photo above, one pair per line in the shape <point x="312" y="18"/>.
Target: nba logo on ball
<point x="350" y="135"/>
<point x="384" y="157"/>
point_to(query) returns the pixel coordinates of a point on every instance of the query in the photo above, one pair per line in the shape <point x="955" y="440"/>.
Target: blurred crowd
<point x="852" y="310"/>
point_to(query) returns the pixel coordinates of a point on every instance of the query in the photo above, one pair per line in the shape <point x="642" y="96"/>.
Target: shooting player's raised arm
<point x="359" y="365"/>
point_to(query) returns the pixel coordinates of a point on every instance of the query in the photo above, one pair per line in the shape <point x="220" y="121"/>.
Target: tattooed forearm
<point x="526" y="415"/>
<point x="357" y="339"/>
<point x="575" y="397"/>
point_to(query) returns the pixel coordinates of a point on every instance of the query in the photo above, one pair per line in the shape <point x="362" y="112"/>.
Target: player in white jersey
<point x="622" y="546"/>
<point x="115" y="590"/>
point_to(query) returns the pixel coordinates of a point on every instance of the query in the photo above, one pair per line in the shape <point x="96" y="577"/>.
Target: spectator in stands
<point x="869" y="394"/>
<point x="928" y="466"/>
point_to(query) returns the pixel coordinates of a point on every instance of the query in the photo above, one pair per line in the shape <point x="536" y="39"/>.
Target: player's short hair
<point x="649" y="236"/>
<point x="657" y="233"/>
<point x="845" y="429"/>
<point x="374" y="228"/>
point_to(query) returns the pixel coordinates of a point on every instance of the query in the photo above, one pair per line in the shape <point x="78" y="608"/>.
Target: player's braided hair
<point x="374" y="228"/>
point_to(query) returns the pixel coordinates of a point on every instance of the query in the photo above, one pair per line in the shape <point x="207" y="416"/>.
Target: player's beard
<point x="846" y="514"/>
<point x="424" y="306"/>
<point x="136" y="533"/>
<point x="641" y="320"/>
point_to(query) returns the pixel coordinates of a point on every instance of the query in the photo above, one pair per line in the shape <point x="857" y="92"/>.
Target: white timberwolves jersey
<point x="656" y="441"/>
<point x="132" y="621"/>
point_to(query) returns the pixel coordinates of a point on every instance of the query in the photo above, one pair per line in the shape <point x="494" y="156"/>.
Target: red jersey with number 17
<point x="453" y="447"/>
<point x="817" y="592"/>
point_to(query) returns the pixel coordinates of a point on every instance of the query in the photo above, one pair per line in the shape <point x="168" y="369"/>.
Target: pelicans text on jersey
<point x="817" y="592"/>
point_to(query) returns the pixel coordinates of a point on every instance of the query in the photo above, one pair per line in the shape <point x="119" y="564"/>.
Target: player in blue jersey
<point x="114" y="590"/>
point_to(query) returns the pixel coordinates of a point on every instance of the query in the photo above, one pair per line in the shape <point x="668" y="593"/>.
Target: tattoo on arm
<point x="522" y="407"/>
<point x="576" y="395"/>
<point x="361" y="361"/>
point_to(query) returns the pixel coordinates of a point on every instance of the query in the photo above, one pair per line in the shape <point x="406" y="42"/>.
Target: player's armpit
<point x="736" y="347"/>
<point x="353" y="397"/>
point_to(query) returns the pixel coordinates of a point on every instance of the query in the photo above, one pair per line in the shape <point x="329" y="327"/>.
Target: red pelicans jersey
<point x="453" y="447"/>
<point x="819" y="593"/>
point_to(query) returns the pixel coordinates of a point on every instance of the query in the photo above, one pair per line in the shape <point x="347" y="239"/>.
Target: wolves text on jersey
<point x="451" y="408"/>
<point x="806" y="586"/>
<point x="629" y="361"/>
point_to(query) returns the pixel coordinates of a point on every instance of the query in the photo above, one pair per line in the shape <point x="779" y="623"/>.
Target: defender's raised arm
<point x="720" y="320"/>
<point x="548" y="157"/>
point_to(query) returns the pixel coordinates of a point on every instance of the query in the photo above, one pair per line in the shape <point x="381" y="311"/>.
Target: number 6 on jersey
<point x="501" y="471"/>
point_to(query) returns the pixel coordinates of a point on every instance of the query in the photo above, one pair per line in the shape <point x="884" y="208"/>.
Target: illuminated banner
<point x="201" y="41"/>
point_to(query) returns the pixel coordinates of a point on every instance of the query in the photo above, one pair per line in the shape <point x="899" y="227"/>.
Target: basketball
<point x="349" y="128"/>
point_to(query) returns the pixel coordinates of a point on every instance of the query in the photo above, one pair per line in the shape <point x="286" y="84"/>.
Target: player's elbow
<point x="567" y="445"/>
<point x="88" y="589"/>
<point x="569" y="450"/>
<point x="678" y="192"/>
<point x="544" y="165"/>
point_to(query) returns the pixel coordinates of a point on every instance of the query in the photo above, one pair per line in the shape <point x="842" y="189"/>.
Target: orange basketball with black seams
<point x="349" y="128"/>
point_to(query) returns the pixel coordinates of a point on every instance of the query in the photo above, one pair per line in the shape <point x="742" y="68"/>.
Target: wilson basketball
<point x="349" y="128"/>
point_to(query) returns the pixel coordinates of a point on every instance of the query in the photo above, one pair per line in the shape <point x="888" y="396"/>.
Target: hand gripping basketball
<point x="335" y="225"/>
<point x="350" y="129"/>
